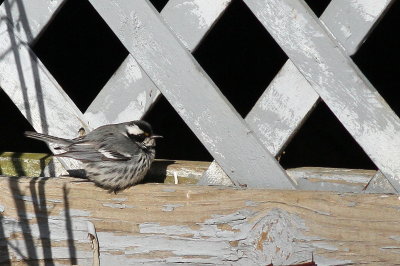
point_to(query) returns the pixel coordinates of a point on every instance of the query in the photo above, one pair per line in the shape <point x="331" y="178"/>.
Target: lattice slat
<point x="190" y="21"/>
<point x="36" y="94"/>
<point x="193" y="95"/>
<point x="289" y="99"/>
<point x="338" y="81"/>
<point x="277" y="115"/>
<point x="29" y="17"/>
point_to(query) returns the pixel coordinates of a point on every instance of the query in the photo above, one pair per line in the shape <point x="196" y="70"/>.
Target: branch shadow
<point x="68" y="227"/>
<point x="36" y="185"/>
<point x="29" y="252"/>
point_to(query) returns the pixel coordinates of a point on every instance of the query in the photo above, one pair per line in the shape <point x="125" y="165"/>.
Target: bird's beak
<point x="156" y="136"/>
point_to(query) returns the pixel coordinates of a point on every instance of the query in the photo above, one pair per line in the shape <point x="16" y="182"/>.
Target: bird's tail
<point x="47" y="138"/>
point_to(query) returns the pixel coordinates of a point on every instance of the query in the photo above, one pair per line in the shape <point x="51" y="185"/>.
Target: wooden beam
<point x="193" y="94"/>
<point x="190" y="172"/>
<point x="155" y="224"/>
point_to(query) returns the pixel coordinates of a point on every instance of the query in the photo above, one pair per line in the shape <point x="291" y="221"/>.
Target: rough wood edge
<point x="158" y="224"/>
<point x="190" y="172"/>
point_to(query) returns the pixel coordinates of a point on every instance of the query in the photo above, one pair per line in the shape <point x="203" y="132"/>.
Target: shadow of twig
<point x="39" y="201"/>
<point x="23" y="221"/>
<point x="4" y="254"/>
<point x="39" y="205"/>
<point x="68" y="225"/>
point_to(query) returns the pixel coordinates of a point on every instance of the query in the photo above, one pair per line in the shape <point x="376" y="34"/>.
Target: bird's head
<point x="141" y="132"/>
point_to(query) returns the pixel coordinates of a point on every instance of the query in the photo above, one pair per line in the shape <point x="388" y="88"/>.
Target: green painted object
<point x="23" y="164"/>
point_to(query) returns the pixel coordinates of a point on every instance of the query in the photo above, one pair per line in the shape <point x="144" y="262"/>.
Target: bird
<point x="114" y="156"/>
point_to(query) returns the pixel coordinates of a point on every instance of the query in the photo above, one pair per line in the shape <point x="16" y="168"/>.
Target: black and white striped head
<point x="141" y="132"/>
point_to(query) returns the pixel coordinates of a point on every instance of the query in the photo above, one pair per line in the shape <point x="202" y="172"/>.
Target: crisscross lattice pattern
<point x="319" y="66"/>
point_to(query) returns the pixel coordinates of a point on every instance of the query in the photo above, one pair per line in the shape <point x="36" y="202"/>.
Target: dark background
<point x="238" y="54"/>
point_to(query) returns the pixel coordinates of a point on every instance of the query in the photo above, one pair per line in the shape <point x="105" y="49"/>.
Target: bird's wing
<point x="105" y="149"/>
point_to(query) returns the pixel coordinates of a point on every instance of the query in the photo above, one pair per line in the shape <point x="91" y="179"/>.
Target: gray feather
<point x="48" y="138"/>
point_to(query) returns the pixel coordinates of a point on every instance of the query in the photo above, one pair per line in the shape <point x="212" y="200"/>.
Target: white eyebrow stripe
<point x="134" y="130"/>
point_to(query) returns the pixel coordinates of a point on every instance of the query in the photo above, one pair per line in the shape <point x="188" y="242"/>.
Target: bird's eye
<point x="139" y="138"/>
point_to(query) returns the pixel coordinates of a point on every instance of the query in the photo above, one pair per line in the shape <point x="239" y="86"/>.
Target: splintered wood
<point x="47" y="219"/>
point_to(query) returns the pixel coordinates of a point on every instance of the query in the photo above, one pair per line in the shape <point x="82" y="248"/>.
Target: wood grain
<point x="158" y="224"/>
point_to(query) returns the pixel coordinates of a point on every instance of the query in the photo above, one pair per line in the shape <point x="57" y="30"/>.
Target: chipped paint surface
<point x="289" y="99"/>
<point x="369" y="9"/>
<point x="117" y="205"/>
<point x="173" y="70"/>
<point x="41" y="100"/>
<point x="35" y="17"/>
<point x="337" y="80"/>
<point x="206" y="11"/>
<point x="170" y="207"/>
<point x="124" y="97"/>
<point x="191" y="20"/>
<point x="194" y="224"/>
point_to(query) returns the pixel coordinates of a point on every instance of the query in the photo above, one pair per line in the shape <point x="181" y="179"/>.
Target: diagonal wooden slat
<point x="190" y="21"/>
<point x="26" y="80"/>
<point x="337" y="80"/>
<point x="289" y="99"/>
<point x="36" y="94"/>
<point x="28" y="17"/>
<point x="194" y="96"/>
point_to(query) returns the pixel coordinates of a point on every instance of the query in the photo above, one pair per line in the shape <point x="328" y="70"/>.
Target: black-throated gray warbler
<point x="115" y="156"/>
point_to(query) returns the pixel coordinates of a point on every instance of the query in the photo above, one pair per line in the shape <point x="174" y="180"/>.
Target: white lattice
<point x="319" y="66"/>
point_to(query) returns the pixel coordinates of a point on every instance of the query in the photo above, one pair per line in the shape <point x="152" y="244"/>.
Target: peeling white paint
<point x="346" y="31"/>
<point x="75" y="212"/>
<point x="120" y="199"/>
<point x="206" y="11"/>
<point x="132" y="72"/>
<point x="369" y="9"/>
<point x="171" y="207"/>
<point x="117" y="205"/>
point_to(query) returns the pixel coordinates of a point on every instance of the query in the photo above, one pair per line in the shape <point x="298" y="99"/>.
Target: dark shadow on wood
<point x="23" y="222"/>
<point x="40" y="208"/>
<point x="158" y="171"/>
<point x="68" y="227"/>
<point x="18" y="167"/>
<point x="4" y="254"/>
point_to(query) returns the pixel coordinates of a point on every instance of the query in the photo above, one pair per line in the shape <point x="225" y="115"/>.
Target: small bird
<point x="115" y="156"/>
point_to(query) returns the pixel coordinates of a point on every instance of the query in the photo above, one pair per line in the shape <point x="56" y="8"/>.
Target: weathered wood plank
<point x="190" y="21"/>
<point x="289" y="98"/>
<point x="34" y="91"/>
<point x="337" y="80"/>
<point x="189" y="172"/>
<point x="28" y="17"/>
<point x="168" y="224"/>
<point x="37" y="164"/>
<point x="379" y="184"/>
<point x="193" y="94"/>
